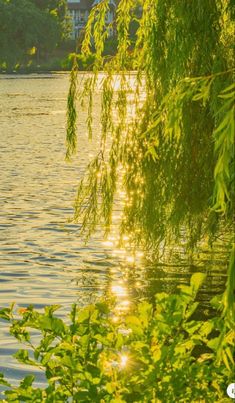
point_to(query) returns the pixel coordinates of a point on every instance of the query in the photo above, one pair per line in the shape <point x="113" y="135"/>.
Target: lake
<point x="43" y="260"/>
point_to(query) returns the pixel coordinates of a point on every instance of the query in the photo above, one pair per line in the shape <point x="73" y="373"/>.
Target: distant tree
<point x="53" y="7"/>
<point x="27" y="25"/>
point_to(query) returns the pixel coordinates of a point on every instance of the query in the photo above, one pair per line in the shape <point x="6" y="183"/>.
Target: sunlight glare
<point x="119" y="291"/>
<point x="123" y="360"/>
<point x="130" y="259"/>
<point x="108" y="243"/>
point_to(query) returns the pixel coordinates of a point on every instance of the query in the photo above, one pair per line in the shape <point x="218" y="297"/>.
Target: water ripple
<point x="42" y="258"/>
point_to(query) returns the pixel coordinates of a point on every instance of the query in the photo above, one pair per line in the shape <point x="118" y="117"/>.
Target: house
<point x="79" y="10"/>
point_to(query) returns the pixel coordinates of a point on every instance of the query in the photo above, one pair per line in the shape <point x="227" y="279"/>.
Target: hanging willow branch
<point x="169" y="126"/>
<point x="71" y="139"/>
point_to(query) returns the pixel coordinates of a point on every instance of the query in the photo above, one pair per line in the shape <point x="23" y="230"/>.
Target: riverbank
<point x="60" y="60"/>
<point x="51" y="65"/>
<point x="85" y="63"/>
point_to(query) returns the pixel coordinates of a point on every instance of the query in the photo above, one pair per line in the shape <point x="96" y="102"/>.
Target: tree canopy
<point x="29" y="26"/>
<point x="177" y="148"/>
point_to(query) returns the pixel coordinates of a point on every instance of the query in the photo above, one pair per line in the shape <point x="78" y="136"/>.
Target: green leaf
<point x="102" y="307"/>
<point x="191" y="309"/>
<point x="145" y="311"/>
<point x="49" y="310"/>
<point x="213" y="343"/>
<point x="230" y="87"/>
<point x="229" y="353"/>
<point x="27" y="381"/>
<point x="23" y="356"/>
<point x="197" y="280"/>
<point x="81" y="396"/>
<point x="110" y="387"/>
<point x="5" y="314"/>
<point x="206" y="329"/>
<point x="51" y="323"/>
<point x="223" y="124"/>
<point x="12" y="396"/>
<point x="46" y="358"/>
<point x="227" y="96"/>
<point x="83" y="315"/>
<point x="134" y="324"/>
<point x="156" y="353"/>
<point x="186" y="290"/>
<point x="192" y="327"/>
<point x="3" y="381"/>
<point x="226" y="361"/>
<point x="119" y="341"/>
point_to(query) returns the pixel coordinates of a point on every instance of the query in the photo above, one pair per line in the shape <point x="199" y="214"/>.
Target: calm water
<point x="42" y="258"/>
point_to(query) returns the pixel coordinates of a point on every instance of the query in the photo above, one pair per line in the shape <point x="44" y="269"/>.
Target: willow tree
<point x="176" y="150"/>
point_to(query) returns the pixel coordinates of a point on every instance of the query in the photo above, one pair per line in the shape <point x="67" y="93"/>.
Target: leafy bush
<point x="83" y="62"/>
<point x="156" y="354"/>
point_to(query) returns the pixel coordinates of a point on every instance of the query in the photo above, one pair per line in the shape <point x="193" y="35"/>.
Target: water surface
<point x="43" y="260"/>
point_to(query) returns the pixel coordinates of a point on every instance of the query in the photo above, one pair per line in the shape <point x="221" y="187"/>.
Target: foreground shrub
<point x="155" y="354"/>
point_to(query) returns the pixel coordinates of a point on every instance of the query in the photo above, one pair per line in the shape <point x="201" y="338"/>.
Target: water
<point x="42" y="258"/>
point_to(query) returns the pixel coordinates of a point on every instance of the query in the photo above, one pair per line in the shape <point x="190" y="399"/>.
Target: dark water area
<point x="43" y="260"/>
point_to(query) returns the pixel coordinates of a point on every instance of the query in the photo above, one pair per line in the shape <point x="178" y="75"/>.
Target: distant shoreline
<point x="27" y="72"/>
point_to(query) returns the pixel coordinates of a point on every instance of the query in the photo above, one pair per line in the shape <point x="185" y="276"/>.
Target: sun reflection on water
<point x="119" y="290"/>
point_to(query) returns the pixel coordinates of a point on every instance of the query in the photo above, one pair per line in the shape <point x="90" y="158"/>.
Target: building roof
<point x="95" y="2"/>
<point x="81" y="5"/>
<point x="85" y="4"/>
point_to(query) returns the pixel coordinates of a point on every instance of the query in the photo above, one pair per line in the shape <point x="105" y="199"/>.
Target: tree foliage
<point x="29" y="26"/>
<point x="169" y="126"/>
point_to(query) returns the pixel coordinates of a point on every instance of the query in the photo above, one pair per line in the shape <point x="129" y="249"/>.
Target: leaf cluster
<point x="156" y="353"/>
<point x="169" y="125"/>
